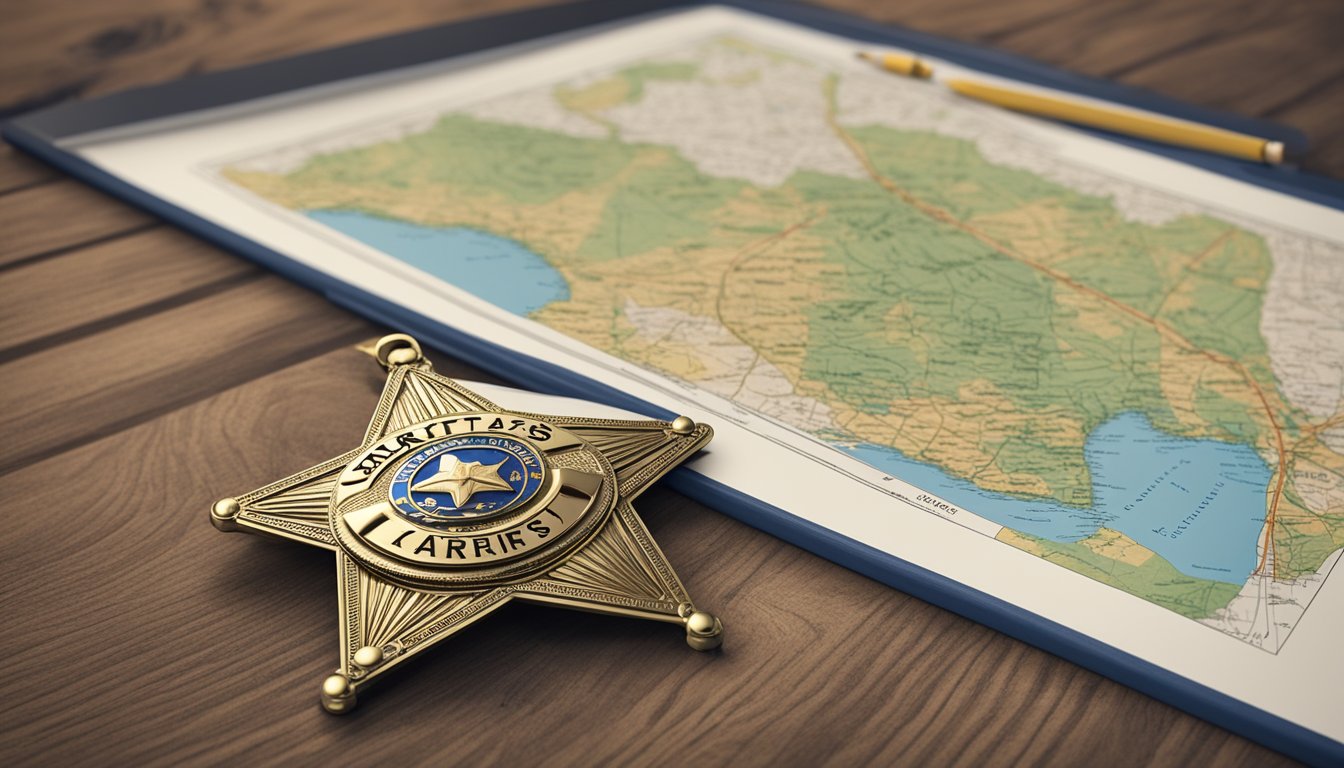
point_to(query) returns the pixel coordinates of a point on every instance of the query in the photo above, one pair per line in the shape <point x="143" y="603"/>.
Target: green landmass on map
<point x="972" y="315"/>
<point x="1113" y="558"/>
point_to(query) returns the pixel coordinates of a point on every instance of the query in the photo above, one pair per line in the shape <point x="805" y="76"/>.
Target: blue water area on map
<point x="1200" y="504"/>
<point x="497" y="269"/>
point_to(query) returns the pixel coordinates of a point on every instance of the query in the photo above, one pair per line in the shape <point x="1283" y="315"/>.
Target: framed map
<point x="1094" y="383"/>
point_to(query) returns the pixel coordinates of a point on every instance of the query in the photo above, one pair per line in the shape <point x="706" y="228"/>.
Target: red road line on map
<point x="1190" y="268"/>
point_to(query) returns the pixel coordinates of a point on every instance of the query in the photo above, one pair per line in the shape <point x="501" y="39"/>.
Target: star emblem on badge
<point x="563" y="532"/>
<point x="462" y="479"/>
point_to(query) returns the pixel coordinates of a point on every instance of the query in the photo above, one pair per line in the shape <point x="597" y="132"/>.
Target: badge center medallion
<point x="466" y="478"/>
<point x="471" y="500"/>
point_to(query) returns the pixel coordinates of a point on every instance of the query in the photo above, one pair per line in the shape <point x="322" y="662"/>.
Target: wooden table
<point x="144" y="373"/>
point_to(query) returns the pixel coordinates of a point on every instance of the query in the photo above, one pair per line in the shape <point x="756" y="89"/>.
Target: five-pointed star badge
<point x="407" y="581"/>
<point x="462" y="479"/>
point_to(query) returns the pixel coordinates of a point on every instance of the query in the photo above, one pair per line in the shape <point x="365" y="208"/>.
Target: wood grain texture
<point x="18" y="171"/>
<point x="50" y="219"/>
<point x="77" y="293"/>
<point x="110" y="46"/>
<point x="115" y="378"/>
<point x="163" y="373"/>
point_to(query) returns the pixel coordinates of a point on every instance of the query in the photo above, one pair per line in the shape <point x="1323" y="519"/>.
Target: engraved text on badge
<point x="465" y="491"/>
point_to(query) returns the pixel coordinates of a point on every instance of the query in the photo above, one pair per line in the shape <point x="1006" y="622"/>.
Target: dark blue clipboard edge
<point x="38" y="133"/>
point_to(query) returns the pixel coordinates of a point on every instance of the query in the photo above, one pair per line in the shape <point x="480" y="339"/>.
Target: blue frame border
<point x="38" y="133"/>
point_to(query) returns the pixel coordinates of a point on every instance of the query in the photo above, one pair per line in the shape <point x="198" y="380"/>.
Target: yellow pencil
<point x="1119" y="120"/>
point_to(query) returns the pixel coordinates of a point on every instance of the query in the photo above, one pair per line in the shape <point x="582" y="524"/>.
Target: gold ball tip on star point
<point x="338" y="696"/>
<point x="704" y="631"/>
<point x="224" y="514"/>
<point x="368" y="656"/>
<point x="683" y="425"/>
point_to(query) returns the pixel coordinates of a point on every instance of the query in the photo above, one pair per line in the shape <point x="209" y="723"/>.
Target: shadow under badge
<point x="452" y="506"/>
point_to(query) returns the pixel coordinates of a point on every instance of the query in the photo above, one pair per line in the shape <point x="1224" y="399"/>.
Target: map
<point x="1129" y="384"/>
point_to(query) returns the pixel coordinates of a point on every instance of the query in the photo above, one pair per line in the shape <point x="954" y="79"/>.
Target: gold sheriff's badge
<point x="452" y="506"/>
